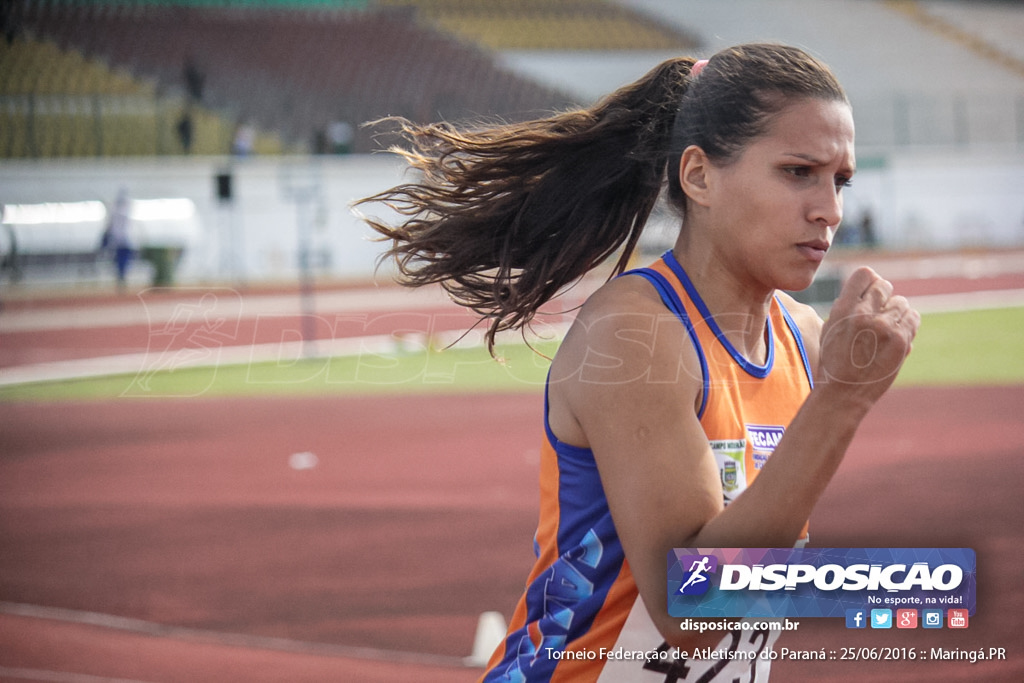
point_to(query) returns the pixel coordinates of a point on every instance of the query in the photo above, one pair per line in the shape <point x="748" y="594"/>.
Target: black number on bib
<point x="763" y="635"/>
<point x="675" y="669"/>
<point x="710" y="674"/>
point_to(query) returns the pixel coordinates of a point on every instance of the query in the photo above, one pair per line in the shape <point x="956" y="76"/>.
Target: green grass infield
<point x="960" y="348"/>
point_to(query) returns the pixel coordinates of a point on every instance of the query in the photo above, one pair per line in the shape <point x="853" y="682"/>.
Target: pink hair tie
<point x="697" y="67"/>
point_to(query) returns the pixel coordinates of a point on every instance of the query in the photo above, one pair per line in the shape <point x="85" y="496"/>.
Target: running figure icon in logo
<point x="696" y="582"/>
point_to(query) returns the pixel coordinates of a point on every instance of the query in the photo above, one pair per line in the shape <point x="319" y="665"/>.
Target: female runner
<point x="692" y="403"/>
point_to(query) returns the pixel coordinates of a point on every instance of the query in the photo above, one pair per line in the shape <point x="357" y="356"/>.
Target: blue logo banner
<point x="817" y="582"/>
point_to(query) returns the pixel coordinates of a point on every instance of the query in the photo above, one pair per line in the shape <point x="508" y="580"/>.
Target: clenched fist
<point x="866" y="338"/>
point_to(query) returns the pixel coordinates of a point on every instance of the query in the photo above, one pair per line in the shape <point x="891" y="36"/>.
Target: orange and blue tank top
<point x="581" y="616"/>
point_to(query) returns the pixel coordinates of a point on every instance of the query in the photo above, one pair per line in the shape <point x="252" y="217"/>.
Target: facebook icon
<point x="856" y="618"/>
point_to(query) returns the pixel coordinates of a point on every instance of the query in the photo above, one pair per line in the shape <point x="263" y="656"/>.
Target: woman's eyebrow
<point x="806" y="157"/>
<point x="811" y="159"/>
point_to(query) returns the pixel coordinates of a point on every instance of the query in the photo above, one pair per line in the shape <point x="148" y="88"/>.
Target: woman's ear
<point x="693" y="174"/>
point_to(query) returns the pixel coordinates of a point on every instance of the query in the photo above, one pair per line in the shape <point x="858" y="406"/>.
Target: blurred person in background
<point x="244" y="141"/>
<point x="117" y="240"/>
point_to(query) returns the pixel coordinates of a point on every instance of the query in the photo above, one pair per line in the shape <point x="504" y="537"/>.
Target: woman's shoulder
<point x="805" y="316"/>
<point x="624" y="355"/>
<point x="625" y="323"/>
<point x="807" y="321"/>
<point x="623" y="294"/>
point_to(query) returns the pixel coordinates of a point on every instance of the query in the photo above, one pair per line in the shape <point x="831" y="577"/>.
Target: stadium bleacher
<point x="294" y="68"/>
<point x="994" y="31"/>
<point x="55" y="102"/>
<point x="546" y="25"/>
<point x="297" y="67"/>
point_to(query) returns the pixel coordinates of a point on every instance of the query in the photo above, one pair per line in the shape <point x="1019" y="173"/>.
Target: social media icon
<point x="958" y="618"/>
<point x="856" y="618"/>
<point x="881" y="618"/>
<point x="931" y="618"/>
<point x="906" y="618"/>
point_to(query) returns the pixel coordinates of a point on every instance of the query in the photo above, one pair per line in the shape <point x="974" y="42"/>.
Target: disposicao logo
<point x="830" y="577"/>
<point x="783" y="582"/>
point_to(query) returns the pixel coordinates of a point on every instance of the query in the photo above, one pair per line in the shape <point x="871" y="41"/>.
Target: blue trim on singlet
<point x="672" y="302"/>
<point x="752" y="369"/>
<point x="575" y="463"/>
<point x="795" y="331"/>
<point x="560" y="446"/>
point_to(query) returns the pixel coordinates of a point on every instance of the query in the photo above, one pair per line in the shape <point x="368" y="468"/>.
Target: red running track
<point x="417" y="518"/>
<point x="170" y="540"/>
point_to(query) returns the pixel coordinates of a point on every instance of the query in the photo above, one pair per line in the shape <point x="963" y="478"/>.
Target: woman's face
<point x="775" y="209"/>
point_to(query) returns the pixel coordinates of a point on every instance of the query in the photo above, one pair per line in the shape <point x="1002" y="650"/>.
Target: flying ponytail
<point x="504" y="217"/>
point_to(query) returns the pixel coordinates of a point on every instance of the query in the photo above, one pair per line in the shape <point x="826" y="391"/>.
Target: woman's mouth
<point x="814" y="250"/>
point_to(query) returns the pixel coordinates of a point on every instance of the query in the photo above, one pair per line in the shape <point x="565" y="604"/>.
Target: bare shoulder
<point x="619" y="320"/>
<point x="625" y="349"/>
<point x="627" y="294"/>
<point x="805" y="317"/>
<point x="807" y="321"/>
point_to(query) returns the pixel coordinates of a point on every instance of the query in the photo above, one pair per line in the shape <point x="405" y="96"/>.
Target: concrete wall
<point x="277" y="202"/>
<point x="941" y="200"/>
<point x="936" y="200"/>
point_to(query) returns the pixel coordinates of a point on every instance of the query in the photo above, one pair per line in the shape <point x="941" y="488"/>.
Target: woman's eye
<point x="843" y="181"/>
<point x="799" y="171"/>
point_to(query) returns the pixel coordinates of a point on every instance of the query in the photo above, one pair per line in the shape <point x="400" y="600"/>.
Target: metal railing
<point x="903" y="120"/>
<point x="48" y="126"/>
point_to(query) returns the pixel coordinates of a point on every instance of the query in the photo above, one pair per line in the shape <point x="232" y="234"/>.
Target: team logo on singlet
<point x="763" y="440"/>
<point x="730" y="474"/>
<point x="730" y="455"/>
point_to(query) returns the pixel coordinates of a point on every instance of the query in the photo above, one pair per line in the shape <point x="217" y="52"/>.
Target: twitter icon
<point x="881" y="618"/>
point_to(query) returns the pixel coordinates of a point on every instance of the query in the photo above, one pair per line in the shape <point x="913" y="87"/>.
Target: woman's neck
<point x="739" y="307"/>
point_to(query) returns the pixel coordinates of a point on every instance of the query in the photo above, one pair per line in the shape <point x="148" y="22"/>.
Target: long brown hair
<point x="505" y="216"/>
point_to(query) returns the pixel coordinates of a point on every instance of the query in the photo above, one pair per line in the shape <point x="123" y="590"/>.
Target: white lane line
<point x="283" y="353"/>
<point x="968" y="301"/>
<point x="148" y="309"/>
<point x="289" y="352"/>
<point x="23" y="674"/>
